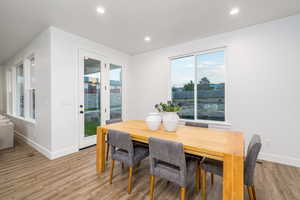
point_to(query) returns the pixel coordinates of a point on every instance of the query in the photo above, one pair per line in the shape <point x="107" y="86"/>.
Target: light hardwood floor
<point x="26" y="174"/>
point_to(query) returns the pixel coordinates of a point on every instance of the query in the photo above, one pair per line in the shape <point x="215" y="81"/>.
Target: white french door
<point x="93" y="95"/>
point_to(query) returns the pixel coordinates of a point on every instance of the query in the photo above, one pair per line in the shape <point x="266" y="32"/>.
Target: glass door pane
<point x="92" y="96"/>
<point x="115" y="82"/>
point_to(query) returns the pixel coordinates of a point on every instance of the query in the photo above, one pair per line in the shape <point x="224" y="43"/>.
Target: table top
<point x="196" y="140"/>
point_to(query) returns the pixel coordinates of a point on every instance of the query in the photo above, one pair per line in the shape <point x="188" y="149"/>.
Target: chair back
<point x="197" y="124"/>
<point x="163" y="151"/>
<point x="112" y="121"/>
<point x="251" y="158"/>
<point x="120" y="140"/>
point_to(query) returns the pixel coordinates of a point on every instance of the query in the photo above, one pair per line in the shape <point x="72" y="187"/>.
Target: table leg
<point x="233" y="180"/>
<point x="100" y="150"/>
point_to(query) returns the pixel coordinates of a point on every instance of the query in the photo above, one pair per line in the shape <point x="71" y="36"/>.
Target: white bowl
<point x="153" y="125"/>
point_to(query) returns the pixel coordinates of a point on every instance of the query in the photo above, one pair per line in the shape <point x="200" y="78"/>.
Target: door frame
<point x="91" y="140"/>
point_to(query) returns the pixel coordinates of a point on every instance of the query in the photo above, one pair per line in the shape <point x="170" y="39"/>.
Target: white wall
<point x="65" y="46"/>
<point x="262" y="75"/>
<point x="55" y="132"/>
<point x="37" y="134"/>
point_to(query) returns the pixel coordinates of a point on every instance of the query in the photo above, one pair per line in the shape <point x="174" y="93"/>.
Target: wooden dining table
<point x="223" y="145"/>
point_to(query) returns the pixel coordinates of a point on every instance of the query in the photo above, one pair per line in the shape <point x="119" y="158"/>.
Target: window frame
<point x="195" y="54"/>
<point x="11" y="75"/>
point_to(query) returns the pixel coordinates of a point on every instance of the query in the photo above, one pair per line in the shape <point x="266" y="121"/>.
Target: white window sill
<point x="22" y="118"/>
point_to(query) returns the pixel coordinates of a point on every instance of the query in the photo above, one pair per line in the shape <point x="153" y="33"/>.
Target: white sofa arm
<point x="6" y="134"/>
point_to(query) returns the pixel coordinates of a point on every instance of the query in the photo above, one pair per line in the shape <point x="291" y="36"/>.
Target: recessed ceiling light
<point x="147" y="39"/>
<point x="101" y="10"/>
<point x="234" y="11"/>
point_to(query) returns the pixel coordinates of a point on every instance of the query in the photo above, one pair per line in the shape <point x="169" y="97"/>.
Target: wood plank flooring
<point x="26" y="174"/>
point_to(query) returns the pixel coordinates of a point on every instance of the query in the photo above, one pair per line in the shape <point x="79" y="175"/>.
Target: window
<point x="20" y="90"/>
<point x="115" y="83"/>
<point x="9" y="91"/>
<point x="204" y="100"/>
<point x="32" y="89"/>
<point x="183" y="91"/>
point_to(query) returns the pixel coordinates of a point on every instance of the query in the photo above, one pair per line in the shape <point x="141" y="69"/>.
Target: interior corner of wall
<point x="286" y="160"/>
<point x="63" y="152"/>
<point x="43" y="150"/>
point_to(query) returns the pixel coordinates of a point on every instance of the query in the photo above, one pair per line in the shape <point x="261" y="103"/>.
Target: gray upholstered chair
<point x="199" y="158"/>
<point x="124" y="150"/>
<point x="110" y="121"/>
<point x="216" y="167"/>
<point x="197" y="124"/>
<point x="168" y="161"/>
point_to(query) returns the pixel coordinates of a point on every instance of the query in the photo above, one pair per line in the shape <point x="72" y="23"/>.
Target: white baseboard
<point x="49" y="154"/>
<point x="64" y="152"/>
<point x="280" y="159"/>
<point x="53" y="155"/>
<point x="33" y="144"/>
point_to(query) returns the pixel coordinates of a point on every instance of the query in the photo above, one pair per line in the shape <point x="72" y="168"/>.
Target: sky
<point x="210" y="65"/>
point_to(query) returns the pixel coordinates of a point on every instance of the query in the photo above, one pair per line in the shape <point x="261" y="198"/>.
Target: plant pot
<point x="153" y="121"/>
<point x="170" y="121"/>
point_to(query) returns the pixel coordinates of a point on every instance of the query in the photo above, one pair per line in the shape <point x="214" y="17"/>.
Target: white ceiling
<point x="126" y="22"/>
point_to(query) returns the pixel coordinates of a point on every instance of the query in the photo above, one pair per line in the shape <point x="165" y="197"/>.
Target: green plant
<point x="168" y="107"/>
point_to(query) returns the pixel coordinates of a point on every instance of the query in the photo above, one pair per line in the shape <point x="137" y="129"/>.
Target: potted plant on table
<point x="170" y="117"/>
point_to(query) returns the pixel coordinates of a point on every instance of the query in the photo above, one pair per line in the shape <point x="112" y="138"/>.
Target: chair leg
<point x="107" y="151"/>
<point x="182" y="193"/>
<point x="203" y="185"/>
<point x="212" y="178"/>
<point x="123" y="165"/>
<point x="250" y="193"/>
<point x="253" y="191"/>
<point x="130" y="180"/>
<point x="199" y="178"/>
<point x="137" y="167"/>
<point x="111" y="171"/>
<point x="197" y="181"/>
<point x="152" y="181"/>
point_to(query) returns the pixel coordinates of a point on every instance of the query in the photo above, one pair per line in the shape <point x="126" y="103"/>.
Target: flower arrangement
<point x="168" y="107"/>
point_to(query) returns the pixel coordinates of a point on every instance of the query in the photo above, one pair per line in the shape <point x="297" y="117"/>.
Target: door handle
<point x="81" y="112"/>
